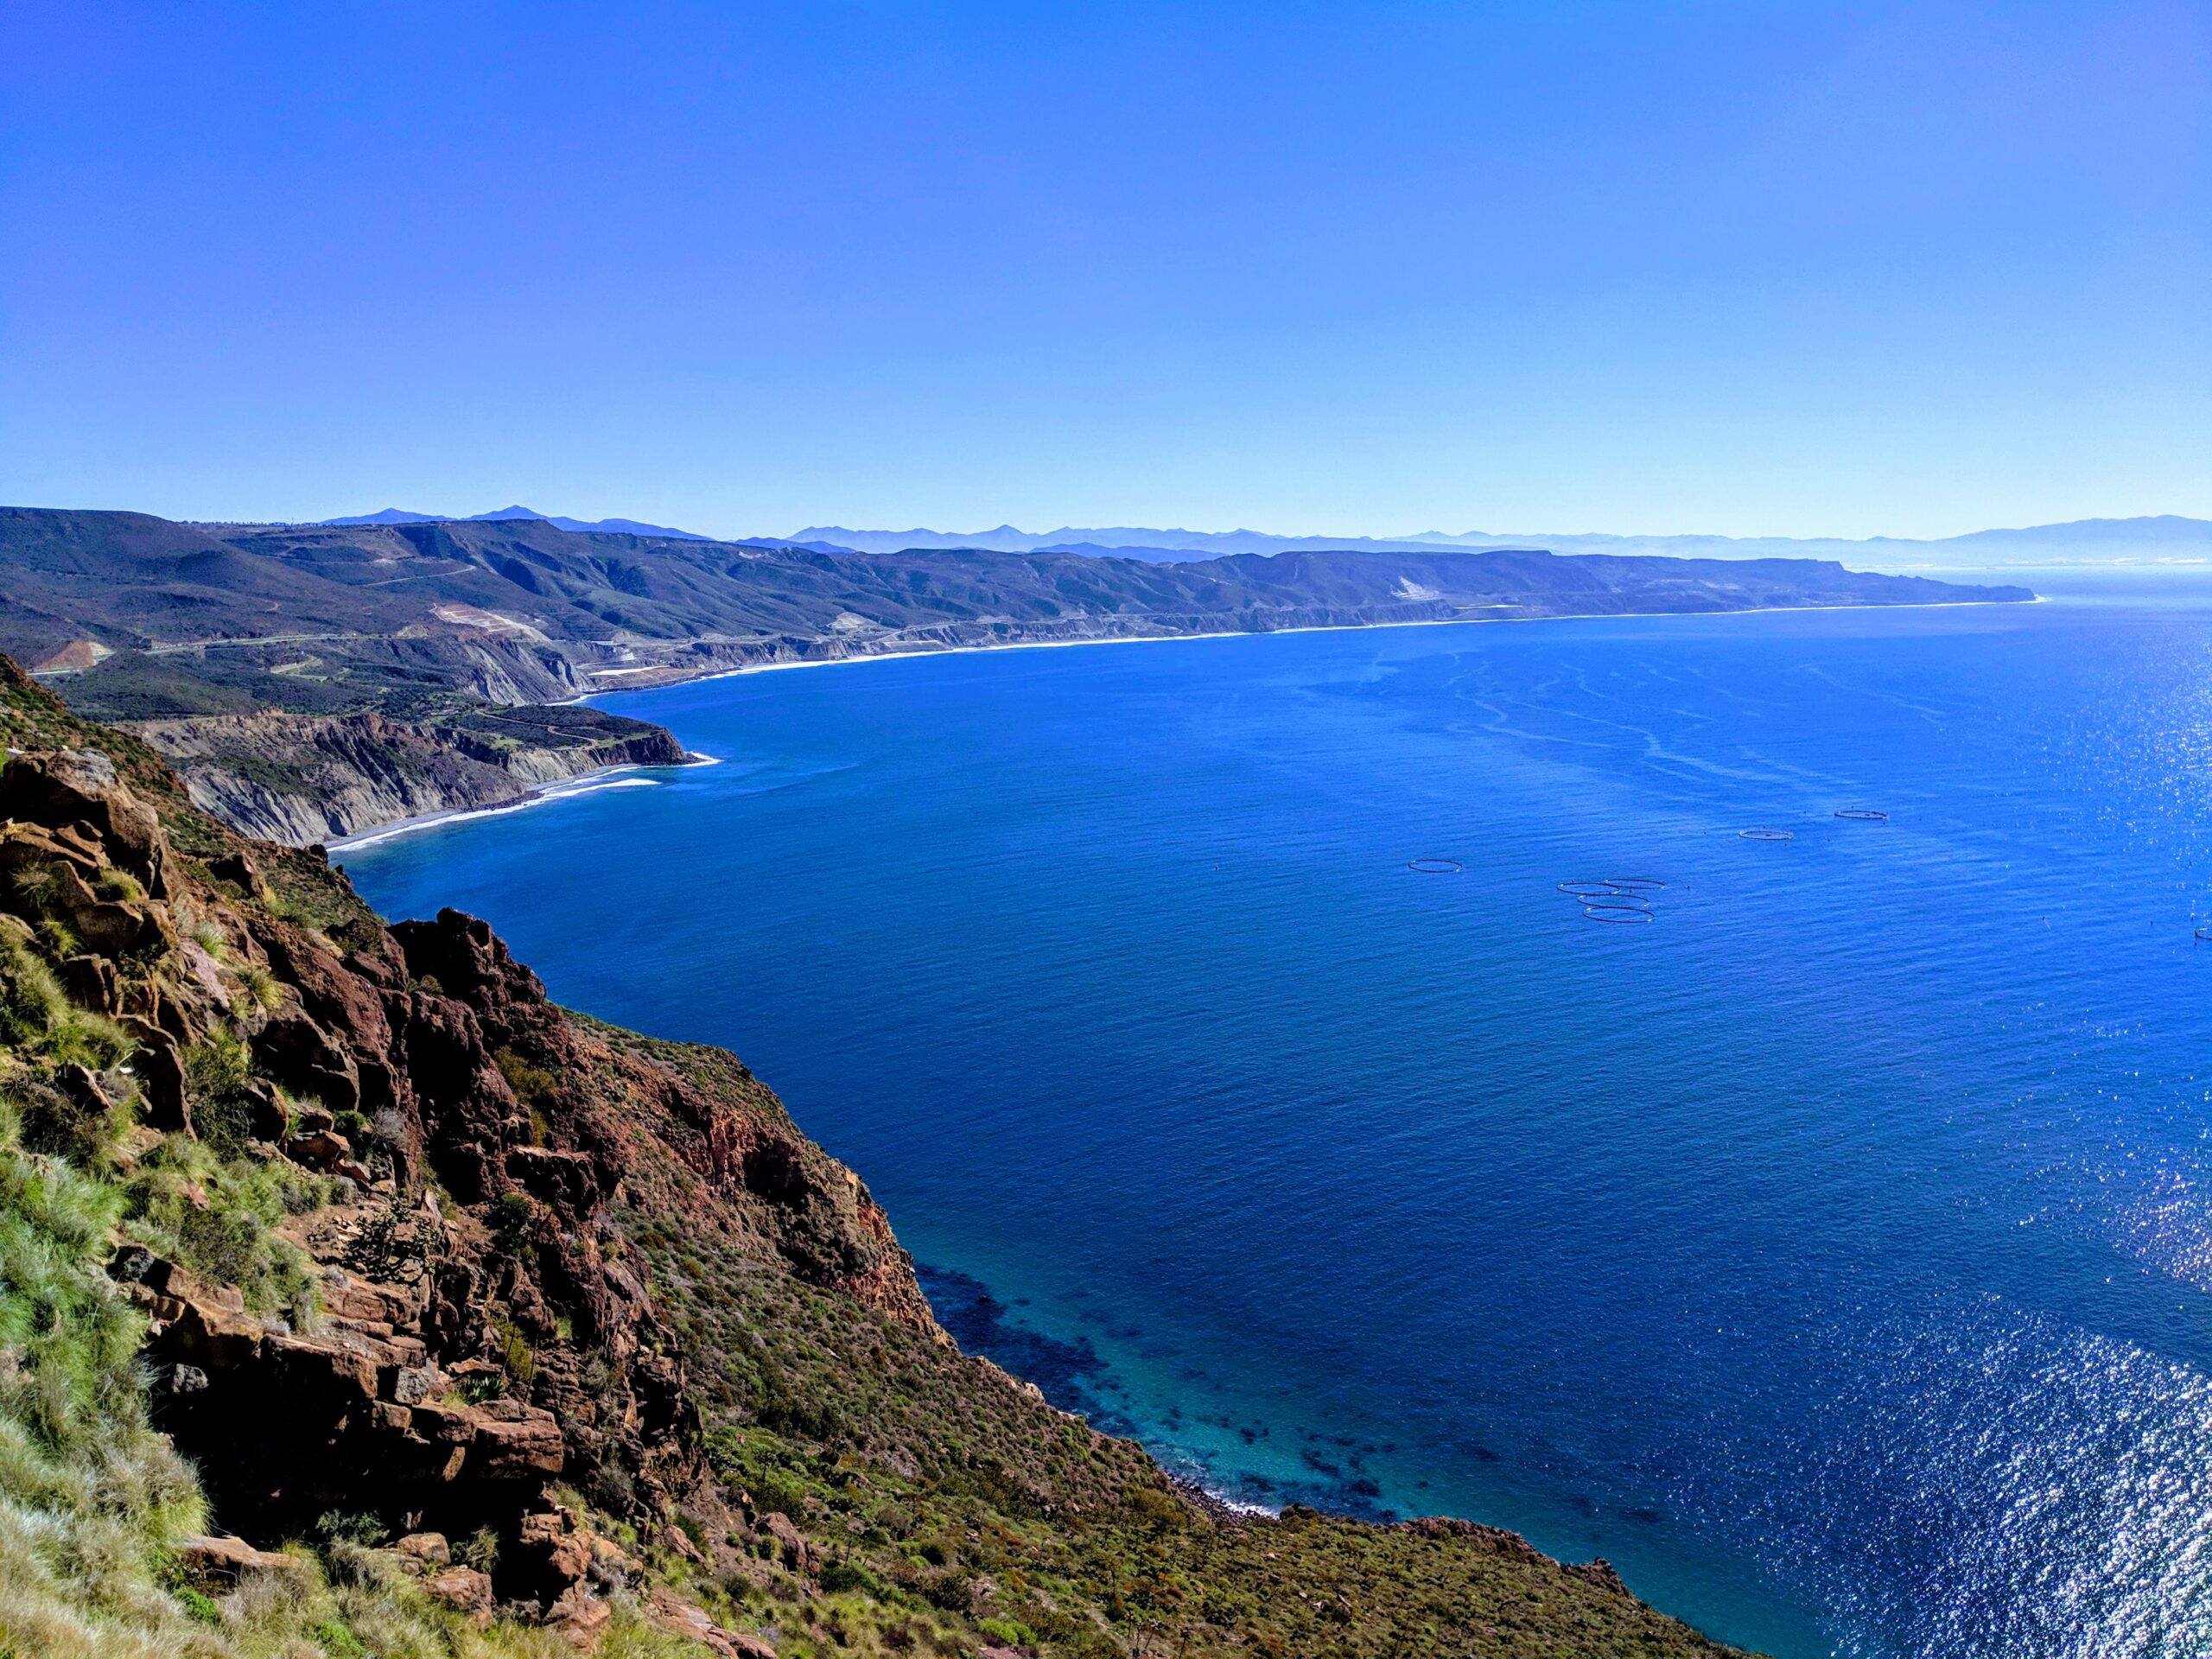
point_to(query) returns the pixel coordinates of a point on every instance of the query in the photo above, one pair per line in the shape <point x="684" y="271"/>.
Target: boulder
<point x="80" y="786"/>
<point x="25" y="847"/>
<point x="581" y="1616"/>
<point x="90" y="982"/>
<point x="222" y="1560"/>
<point x="215" y="1339"/>
<point x="412" y="1384"/>
<point x="560" y="1553"/>
<point x="269" y="1117"/>
<point x="159" y="1067"/>
<point x="321" y="1369"/>
<point x="578" y="1615"/>
<point x="429" y="1548"/>
<point x="797" y="1553"/>
<point x="1599" y="1572"/>
<point x="464" y="1589"/>
<point x="239" y="870"/>
<point x="567" y="1180"/>
<point x="341" y="1002"/>
<point x="114" y="929"/>
<point x="303" y="1057"/>
<point x="322" y="1149"/>
<point x="515" y="1451"/>
<point x="679" y="1618"/>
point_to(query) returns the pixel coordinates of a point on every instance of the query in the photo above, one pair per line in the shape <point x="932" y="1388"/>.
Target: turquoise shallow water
<point x="1832" y="1255"/>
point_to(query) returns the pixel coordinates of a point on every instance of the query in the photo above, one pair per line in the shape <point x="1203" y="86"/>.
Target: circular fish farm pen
<point x="1621" y="900"/>
<point x="1862" y="815"/>
<point x="1768" y="835"/>
<point x="1435" y="865"/>
<point x="1620" y="915"/>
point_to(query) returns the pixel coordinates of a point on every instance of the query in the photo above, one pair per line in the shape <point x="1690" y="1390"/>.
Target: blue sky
<point x="1774" y="268"/>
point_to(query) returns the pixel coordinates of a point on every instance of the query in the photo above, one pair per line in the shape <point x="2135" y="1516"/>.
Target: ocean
<point x="1823" y="1236"/>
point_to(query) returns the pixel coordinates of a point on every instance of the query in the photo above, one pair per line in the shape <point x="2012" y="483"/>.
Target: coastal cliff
<point x="303" y="779"/>
<point x="356" y="1299"/>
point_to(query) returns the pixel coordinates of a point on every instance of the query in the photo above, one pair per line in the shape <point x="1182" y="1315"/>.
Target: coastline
<point x="586" y="783"/>
<point x="682" y="676"/>
<point x="583" y="782"/>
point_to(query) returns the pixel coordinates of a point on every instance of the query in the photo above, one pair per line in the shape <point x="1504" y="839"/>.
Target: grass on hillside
<point x="949" y="1504"/>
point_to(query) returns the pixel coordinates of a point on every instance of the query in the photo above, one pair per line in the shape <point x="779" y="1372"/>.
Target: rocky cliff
<point x="300" y="780"/>
<point x="474" y="1317"/>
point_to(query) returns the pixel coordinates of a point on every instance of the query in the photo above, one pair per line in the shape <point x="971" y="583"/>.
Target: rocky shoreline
<point x="307" y="781"/>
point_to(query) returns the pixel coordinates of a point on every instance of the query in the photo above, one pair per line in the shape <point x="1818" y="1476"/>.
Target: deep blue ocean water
<point x="1831" y="1254"/>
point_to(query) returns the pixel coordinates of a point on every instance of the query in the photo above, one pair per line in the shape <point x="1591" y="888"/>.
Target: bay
<point x="1831" y="1252"/>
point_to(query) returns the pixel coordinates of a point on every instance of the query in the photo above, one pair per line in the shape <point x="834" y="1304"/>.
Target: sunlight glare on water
<point x="1830" y="1253"/>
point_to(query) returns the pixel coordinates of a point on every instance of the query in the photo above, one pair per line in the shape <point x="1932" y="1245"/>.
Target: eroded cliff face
<point x="303" y="779"/>
<point x="465" y="1335"/>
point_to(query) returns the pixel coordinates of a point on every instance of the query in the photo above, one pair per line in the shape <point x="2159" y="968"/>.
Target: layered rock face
<point x="300" y="780"/>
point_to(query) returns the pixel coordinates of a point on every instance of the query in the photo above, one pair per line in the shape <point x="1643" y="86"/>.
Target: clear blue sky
<point x="1780" y="268"/>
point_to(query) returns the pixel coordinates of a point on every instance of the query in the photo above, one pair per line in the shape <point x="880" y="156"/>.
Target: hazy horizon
<point x="2180" y="522"/>
<point x="2180" y="526"/>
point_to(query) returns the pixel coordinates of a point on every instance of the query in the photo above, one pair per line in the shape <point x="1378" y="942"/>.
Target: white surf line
<point x="586" y="784"/>
<point x="683" y="678"/>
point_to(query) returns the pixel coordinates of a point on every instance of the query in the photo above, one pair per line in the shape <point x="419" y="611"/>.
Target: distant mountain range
<point x="2085" y="540"/>
<point x="580" y="526"/>
<point x="332" y="619"/>
<point x="2166" y="536"/>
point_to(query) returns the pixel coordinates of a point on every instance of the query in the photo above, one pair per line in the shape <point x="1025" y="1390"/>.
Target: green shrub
<point x="119" y="886"/>
<point x="89" y="1496"/>
<point x="514" y="1219"/>
<point x="533" y="1084"/>
<point x="788" y="1410"/>
<point x="1160" y="1509"/>
<point x="62" y="1125"/>
<point x="197" y="1605"/>
<point x="36" y="1016"/>
<point x="340" y="1526"/>
<point x="218" y="1217"/>
<point x="40" y="886"/>
<point x="838" y="1577"/>
<point x="339" y="1643"/>
<point x="219" y="1063"/>
<point x="480" y="1550"/>
<point x="515" y="1352"/>
<point x="216" y="1069"/>
<point x="262" y="986"/>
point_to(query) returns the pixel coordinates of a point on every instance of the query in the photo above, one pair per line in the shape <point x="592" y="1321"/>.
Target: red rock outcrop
<point x="473" y="1342"/>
